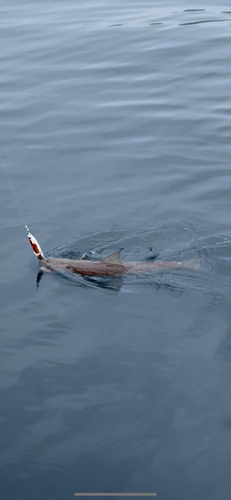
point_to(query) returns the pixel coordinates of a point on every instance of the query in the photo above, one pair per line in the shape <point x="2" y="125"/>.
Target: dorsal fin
<point x="114" y="258"/>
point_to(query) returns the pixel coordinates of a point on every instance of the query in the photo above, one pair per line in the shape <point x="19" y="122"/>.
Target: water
<point x="115" y="130"/>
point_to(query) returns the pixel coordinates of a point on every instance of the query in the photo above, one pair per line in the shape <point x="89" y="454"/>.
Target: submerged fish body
<point x="110" y="266"/>
<point x="94" y="268"/>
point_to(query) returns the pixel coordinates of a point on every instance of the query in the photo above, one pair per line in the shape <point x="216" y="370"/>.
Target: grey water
<point x="115" y="125"/>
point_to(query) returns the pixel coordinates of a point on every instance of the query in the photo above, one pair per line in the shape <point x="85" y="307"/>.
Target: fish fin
<point x="39" y="277"/>
<point x="114" y="258"/>
<point x="193" y="264"/>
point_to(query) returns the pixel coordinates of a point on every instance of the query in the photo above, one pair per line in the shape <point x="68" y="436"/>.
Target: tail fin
<point x="35" y="246"/>
<point x="192" y="264"/>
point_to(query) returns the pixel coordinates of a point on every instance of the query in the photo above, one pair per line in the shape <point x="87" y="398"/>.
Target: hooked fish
<point x="110" y="266"/>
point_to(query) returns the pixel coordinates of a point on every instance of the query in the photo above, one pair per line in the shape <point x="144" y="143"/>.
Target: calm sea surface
<point x="115" y="129"/>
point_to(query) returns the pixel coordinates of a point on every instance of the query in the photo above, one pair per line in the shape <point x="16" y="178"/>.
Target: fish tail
<point x="192" y="264"/>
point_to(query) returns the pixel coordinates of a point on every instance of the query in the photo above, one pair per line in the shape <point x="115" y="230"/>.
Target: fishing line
<point x="34" y="243"/>
<point x="14" y="194"/>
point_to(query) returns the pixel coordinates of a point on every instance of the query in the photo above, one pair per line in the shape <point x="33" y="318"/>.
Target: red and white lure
<point x="35" y="245"/>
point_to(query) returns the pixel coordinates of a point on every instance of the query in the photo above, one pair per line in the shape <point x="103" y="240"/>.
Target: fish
<point x="112" y="265"/>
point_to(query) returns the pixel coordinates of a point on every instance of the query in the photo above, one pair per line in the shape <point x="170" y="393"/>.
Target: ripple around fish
<point x="179" y="241"/>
